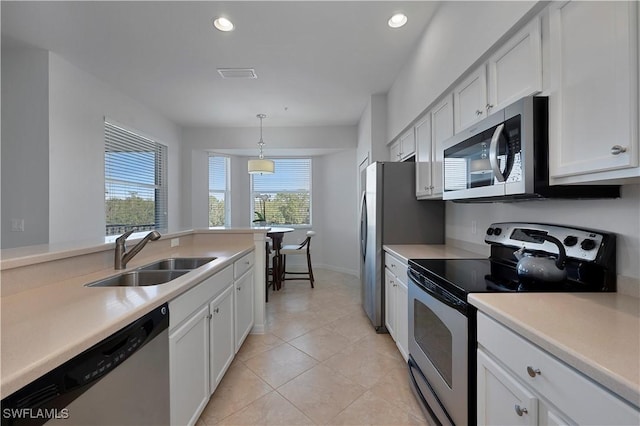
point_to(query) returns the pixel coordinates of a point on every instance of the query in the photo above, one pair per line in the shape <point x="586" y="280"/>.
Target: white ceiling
<point x="317" y="61"/>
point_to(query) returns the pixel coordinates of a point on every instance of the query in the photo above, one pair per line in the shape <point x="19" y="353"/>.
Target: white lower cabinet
<point x="501" y="399"/>
<point x="515" y="375"/>
<point x="396" y="302"/>
<point x="243" y="308"/>
<point x="204" y="337"/>
<point x="221" y="340"/>
<point x="189" y="368"/>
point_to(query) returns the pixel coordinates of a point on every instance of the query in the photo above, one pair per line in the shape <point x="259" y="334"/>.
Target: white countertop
<point x="596" y="333"/>
<point x="430" y="251"/>
<point x="46" y="326"/>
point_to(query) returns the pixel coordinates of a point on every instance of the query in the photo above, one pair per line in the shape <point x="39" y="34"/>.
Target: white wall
<point x="372" y="131"/>
<point x="337" y="212"/>
<point x="458" y="35"/>
<point x="78" y="103"/>
<point x="334" y="183"/>
<point x="25" y="146"/>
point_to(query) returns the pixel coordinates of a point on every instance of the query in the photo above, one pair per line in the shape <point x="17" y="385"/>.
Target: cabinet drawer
<point x="182" y="306"/>
<point x="581" y="399"/>
<point x="396" y="266"/>
<point x="242" y="265"/>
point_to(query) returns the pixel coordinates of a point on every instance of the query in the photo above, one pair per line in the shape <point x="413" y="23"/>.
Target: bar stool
<point x="303" y="248"/>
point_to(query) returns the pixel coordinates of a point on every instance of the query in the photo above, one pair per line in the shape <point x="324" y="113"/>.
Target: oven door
<point x="438" y="346"/>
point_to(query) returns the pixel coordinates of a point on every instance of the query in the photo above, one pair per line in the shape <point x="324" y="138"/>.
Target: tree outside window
<point x="285" y="196"/>
<point x="219" y="211"/>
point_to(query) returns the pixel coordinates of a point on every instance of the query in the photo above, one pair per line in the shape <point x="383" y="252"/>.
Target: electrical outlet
<point x="474" y="227"/>
<point x="175" y="242"/>
<point x="17" y="225"/>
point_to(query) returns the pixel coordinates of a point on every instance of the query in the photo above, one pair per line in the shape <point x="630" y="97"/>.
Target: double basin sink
<point x="159" y="272"/>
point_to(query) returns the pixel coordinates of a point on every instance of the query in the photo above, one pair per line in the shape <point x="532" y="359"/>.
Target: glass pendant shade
<point x="261" y="166"/>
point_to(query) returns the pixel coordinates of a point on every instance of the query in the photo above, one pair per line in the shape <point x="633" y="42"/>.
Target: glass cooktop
<point x="463" y="276"/>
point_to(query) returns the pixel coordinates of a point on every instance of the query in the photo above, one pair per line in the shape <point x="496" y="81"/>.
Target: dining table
<point x="276" y="234"/>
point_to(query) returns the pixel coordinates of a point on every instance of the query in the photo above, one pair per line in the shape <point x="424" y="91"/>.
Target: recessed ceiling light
<point x="223" y="24"/>
<point x="397" y="20"/>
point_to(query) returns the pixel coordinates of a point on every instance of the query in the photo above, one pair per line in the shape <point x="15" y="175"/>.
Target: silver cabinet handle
<point x="239" y="288"/>
<point x="488" y="107"/>
<point x="617" y="149"/>
<point x="478" y="112"/>
<point x="520" y="411"/>
<point x="209" y="316"/>
<point x="493" y="153"/>
<point x="533" y="372"/>
<point x="216" y="310"/>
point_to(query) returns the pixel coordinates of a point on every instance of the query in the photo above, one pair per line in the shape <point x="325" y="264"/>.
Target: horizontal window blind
<point x="284" y="197"/>
<point x="219" y="209"/>
<point x="135" y="170"/>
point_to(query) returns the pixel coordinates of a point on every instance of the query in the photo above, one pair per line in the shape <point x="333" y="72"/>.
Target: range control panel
<point x="578" y="243"/>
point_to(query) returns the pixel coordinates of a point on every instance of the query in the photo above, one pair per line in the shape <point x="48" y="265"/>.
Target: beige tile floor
<point x="319" y="362"/>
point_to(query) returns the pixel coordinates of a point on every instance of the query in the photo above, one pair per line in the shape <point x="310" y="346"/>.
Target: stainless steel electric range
<point x="525" y="257"/>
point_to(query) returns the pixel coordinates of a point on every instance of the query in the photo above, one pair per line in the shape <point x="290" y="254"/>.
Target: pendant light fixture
<point x="261" y="165"/>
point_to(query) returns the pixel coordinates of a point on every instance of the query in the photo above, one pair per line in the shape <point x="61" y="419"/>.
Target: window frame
<point x="226" y="192"/>
<point x="114" y="130"/>
<point x="252" y="193"/>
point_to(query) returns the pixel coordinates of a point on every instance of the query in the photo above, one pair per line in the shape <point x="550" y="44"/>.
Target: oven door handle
<point x="493" y="153"/>
<point x="441" y="294"/>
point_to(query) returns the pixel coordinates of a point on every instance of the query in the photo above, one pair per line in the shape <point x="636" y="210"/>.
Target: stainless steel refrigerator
<point x="391" y="214"/>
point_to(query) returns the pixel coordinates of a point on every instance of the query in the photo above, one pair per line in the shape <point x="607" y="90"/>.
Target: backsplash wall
<point x="621" y="216"/>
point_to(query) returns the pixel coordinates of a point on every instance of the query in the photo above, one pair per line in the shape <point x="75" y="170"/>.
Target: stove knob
<point x="570" y="241"/>
<point x="489" y="231"/>
<point x="497" y="231"/>
<point x="588" y="244"/>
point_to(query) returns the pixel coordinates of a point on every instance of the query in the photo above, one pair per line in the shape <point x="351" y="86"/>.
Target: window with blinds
<point x="135" y="176"/>
<point x="284" y="197"/>
<point x="219" y="205"/>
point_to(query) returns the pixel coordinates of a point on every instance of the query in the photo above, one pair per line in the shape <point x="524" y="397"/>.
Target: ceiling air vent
<point x="237" y="73"/>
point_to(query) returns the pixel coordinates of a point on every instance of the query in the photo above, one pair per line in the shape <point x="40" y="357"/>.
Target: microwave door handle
<point x="493" y="153"/>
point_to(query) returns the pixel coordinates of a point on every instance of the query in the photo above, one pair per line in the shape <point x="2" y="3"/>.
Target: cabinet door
<point x="501" y="399"/>
<point x="515" y="71"/>
<point x="593" y="114"/>
<point x="407" y="145"/>
<point x="222" y="342"/>
<point x="441" y="130"/>
<point x="394" y="151"/>
<point x="550" y="417"/>
<point x="402" y="319"/>
<point x="189" y="368"/>
<point x="390" y="302"/>
<point x="243" y="308"/>
<point x="470" y="99"/>
<point x="423" y="157"/>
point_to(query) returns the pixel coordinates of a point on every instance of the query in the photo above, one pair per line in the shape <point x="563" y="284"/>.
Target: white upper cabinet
<point x="441" y="130"/>
<point x="404" y="147"/>
<point x="515" y="70"/>
<point x="430" y="133"/>
<point x="593" y="113"/>
<point x="470" y="99"/>
<point x="512" y="72"/>
<point x="424" y="157"/>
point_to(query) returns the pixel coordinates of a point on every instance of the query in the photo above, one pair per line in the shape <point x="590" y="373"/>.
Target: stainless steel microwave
<point x="505" y="157"/>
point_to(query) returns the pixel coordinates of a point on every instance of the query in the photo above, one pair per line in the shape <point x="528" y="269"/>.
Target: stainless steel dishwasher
<point x="123" y="380"/>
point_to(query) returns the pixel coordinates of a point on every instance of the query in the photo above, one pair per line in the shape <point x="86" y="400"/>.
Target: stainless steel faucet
<point x="122" y="256"/>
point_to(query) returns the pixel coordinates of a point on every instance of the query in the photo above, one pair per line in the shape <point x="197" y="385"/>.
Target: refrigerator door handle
<point x="363" y="225"/>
